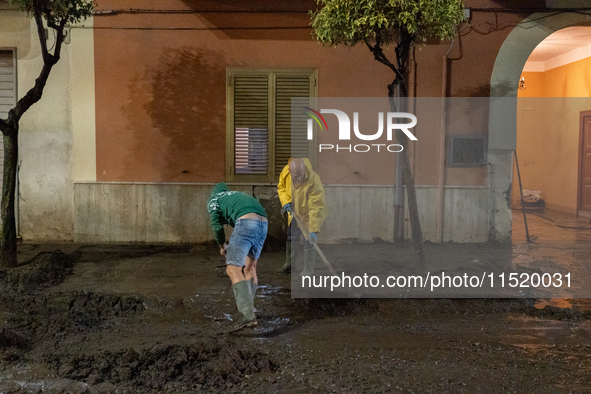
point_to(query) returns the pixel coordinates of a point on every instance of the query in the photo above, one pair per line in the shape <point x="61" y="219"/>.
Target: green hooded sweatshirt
<point x="225" y="207"/>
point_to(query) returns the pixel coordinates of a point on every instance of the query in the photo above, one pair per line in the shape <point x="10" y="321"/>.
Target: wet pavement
<point x="551" y="227"/>
<point x="152" y="318"/>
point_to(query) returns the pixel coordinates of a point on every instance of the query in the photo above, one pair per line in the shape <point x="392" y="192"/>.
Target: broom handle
<point x="522" y="202"/>
<point x="322" y="256"/>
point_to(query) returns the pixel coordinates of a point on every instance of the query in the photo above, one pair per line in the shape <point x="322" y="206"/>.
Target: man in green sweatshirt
<point x="249" y="220"/>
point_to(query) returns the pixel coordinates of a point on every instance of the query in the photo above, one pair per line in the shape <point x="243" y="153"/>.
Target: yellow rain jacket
<point x="308" y="200"/>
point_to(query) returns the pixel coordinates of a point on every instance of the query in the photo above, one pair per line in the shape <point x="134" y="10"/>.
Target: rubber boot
<point x="253" y="289"/>
<point x="309" y="262"/>
<point x="244" y="301"/>
<point x="291" y="255"/>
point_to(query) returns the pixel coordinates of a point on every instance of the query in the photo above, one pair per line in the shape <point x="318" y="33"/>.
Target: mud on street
<point x="151" y="318"/>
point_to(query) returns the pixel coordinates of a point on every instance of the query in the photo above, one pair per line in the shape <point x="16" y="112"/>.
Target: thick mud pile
<point x="211" y="364"/>
<point x="42" y="325"/>
<point x="154" y="319"/>
<point x="45" y="269"/>
<point x="45" y="316"/>
<point x="11" y="345"/>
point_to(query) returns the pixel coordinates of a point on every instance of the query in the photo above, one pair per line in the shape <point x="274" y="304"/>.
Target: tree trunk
<point x="407" y="178"/>
<point x="9" y="127"/>
<point x="413" y="210"/>
<point x="8" y="232"/>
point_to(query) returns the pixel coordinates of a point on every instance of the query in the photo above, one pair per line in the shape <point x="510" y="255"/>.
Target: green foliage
<point x="58" y="11"/>
<point x="348" y="22"/>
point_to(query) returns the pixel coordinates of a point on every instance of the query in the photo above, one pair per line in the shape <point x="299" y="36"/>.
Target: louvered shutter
<point x="7" y="93"/>
<point x="7" y="82"/>
<point x="251" y="124"/>
<point x="264" y="126"/>
<point x="290" y="128"/>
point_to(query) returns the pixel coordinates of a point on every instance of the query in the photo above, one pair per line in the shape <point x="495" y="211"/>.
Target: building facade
<point x="141" y="117"/>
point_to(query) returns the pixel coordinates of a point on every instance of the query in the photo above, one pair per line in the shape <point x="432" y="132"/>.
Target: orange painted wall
<point x="535" y="85"/>
<point x="160" y="94"/>
<point x="570" y="80"/>
<point x="548" y="132"/>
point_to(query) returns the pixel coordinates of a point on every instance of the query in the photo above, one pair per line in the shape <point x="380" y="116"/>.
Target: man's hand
<point x="313" y="238"/>
<point x="223" y="249"/>
<point x="287" y="207"/>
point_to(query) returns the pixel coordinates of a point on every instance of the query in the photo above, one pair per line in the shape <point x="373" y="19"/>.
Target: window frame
<point x="271" y="74"/>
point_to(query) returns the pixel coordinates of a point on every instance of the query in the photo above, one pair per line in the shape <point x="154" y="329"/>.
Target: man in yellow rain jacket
<point x="301" y="193"/>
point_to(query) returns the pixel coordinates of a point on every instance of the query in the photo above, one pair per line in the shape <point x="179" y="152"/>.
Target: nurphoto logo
<point x="392" y="119"/>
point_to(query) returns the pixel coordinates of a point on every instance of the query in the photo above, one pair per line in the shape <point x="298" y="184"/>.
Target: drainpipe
<point x="441" y="176"/>
<point x="18" y="198"/>
<point x="412" y="148"/>
<point x="398" y="191"/>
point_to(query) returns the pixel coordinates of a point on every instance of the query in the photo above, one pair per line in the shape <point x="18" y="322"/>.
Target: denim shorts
<point x="246" y="240"/>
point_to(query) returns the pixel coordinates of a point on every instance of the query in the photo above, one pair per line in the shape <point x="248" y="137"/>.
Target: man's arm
<point x="217" y="225"/>
<point x="284" y="187"/>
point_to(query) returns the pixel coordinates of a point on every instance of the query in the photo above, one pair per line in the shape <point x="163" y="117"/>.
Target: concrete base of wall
<point x="120" y="212"/>
<point x="367" y="213"/>
<point x="111" y="212"/>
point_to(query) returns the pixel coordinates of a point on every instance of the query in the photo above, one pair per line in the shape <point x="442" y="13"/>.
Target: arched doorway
<point x="502" y="134"/>
<point x="552" y="146"/>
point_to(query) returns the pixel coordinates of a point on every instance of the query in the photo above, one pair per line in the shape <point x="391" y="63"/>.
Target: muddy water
<point x="152" y="319"/>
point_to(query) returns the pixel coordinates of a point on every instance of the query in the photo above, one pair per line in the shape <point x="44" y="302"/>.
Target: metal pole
<point x="442" y="131"/>
<point x="529" y="240"/>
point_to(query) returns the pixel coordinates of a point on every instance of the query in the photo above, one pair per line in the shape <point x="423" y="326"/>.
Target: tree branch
<point x="403" y="50"/>
<point x="379" y="55"/>
<point x="52" y="25"/>
<point x="60" y="39"/>
<point x="33" y="95"/>
<point x="3" y="125"/>
<point x="38" y="12"/>
<point x="49" y="60"/>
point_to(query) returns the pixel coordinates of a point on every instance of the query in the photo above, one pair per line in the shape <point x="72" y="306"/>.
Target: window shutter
<point x="262" y="131"/>
<point x="251" y="124"/>
<point x="290" y="129"/>
<point x="7" y="88"/>
<point x="7" y="93"/>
